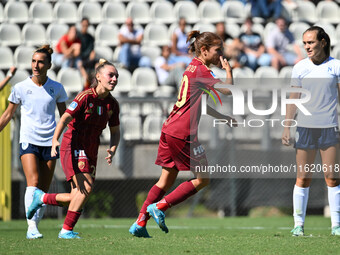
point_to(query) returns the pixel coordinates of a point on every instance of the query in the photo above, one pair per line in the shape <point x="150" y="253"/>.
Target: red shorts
<point x="76" y="161"/>
<point x="180" y="154"/>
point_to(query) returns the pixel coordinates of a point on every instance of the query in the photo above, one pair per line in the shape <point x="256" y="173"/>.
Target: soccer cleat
<point x="36" y="203"/>
<point x="336" y="231"/>
<point x="298" y="231"/>
<point x="158" y="216"/>
<point x="138" y="231"/>
<point x="33" y="234"/>
<point x="69" y="235"/>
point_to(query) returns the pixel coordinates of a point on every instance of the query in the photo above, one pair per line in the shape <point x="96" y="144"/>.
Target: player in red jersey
<point x="179" y="149"/>
<point x="86" y="117"/>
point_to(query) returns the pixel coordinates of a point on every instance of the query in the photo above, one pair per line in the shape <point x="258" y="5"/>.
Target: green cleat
<point x="336" y="231"/>
<point x="298" y="231"/>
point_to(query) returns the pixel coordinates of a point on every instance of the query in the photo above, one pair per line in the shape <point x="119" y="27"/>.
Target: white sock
<point x="300" y="200"/>
<point x="334" y="205"/>
<point x="32" y="224"/>
<point x="63" y="231"/>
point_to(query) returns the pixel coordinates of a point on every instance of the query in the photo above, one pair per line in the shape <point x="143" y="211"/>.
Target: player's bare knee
<point x="303" y="182"/>
<point x="331" y="182"/>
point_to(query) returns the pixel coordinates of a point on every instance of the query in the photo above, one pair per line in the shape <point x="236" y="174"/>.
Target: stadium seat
<point x="106" y="34"/>
<point x="204" y="27"/>
<point x="244" y="77"/>
<point x="104" y="52"/>
<point x="285" y="75"/>
<point x="144" y="79"/>
<point x="114" y="12"/>
<point x="328" y="11"/>
<point x="337" y="32"/>
<point x="257" y="28"/>
<point x="6" y="59"/>
<point x="55" y="31"/>
<point x="336" y="52"/>
<point x="152" y="127"/>
<point x="297" y="29"/>
<point x="65" y="12"/>
<point x="234" y="12"/>
<point x="131" y="127"/>
<point x="151" y="108"/>
<point x="51" y="74"/>
<point x="173" y="27"/>
<point x="2" y="75"/>
<point x="71" y="80"/>
<point x="10" y="34"/>
<point x="267" y="29"/>
<point x="91" y="10"/>
<point x="19" y="76"/>
<point x="156" y="34"/>
<point x="41" y="12"/>
<point x="162" y="12"/>
<point x="233" y="29"/>
<point x="305" y="12"/>
<point x="210" y="12"/>
<point x="124" y="84"/>
<point x="16" y="12"/>
<point x="2" y="13"/>
<point x="330" y="30"/>
<point x="23" y="57"/>
<point x="151" y="52"/>
<point x="267" y="77"/>
<point x="165" y="91"/>
<point x="139" y="12"/>
<point x="33" y="34"/>
<point x="105" y="137"/>
<point x="130" y="108"/>
<point x="188" y="10"/>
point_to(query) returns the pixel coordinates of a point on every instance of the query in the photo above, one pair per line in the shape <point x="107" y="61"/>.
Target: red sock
<point x="163" y="205"/>
<point x="154" y="195"/>
<point x="50" y="199"/>
<point x="181" y="193"/>
<point x="71" y="220"/>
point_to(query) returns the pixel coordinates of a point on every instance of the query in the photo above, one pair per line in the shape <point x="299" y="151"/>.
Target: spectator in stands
<point x="8" y="77"/>
<point x="130" y="39"/>
<point x="87" y="53"/>
<point x="253" y="47"/>
<point x="267" y="9"/>
<point x="180" y="45"/>
<point x="277" y="45"/>
<point x="68" y="49"/>
<point x="168" y="74"/>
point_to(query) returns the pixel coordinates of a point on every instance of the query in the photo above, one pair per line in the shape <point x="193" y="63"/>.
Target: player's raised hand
<point x="55" y="144"/>
<point x="109" y="157"/>
<point x="225" y="64"/>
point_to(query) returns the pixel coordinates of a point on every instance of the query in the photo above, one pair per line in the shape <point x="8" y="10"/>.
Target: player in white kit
<point x="320" y="75"/>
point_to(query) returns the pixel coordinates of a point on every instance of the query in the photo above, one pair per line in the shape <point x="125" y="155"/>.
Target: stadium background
<point x="120" y="189"/>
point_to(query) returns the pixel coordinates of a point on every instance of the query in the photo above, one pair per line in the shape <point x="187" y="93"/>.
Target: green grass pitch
<point x="240" y="235"/>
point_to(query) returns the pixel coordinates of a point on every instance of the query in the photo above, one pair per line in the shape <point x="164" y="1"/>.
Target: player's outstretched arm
<point x="8" y="77"/>
<point x="290" y="114"/>
<point x="7" y="115"/>
<point x="212" y="112"/>
<point x="114" y="141"/>
<point x="63" y="122"/>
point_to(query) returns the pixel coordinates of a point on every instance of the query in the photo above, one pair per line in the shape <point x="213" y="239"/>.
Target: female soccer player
<point x="320" y="75"/>
<point x="179" y="149"/>
<point x="38" y="96"/>
<point x="86" y="117"/>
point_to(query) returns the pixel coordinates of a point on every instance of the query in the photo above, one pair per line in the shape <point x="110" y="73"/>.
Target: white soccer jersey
<point x="322" y="82"/>
<point x="38" y="106"/>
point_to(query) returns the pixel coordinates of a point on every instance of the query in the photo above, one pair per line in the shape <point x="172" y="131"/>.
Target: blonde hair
<point x="99" y="66"/>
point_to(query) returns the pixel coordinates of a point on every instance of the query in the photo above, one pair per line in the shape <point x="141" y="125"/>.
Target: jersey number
<point x="183" y="91"/>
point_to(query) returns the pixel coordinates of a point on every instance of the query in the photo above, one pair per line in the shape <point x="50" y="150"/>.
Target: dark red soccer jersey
<point x="90" y="116"/>
<point x="185" y="116"/>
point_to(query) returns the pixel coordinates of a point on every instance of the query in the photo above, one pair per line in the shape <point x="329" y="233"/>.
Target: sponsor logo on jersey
<point x="81" y="165"/>
<point x="213" y="75"/>
<point x="100" y="110"/>
<point x="80" y="154"/>
<point x="28" y="92"/>
<point x="51" y="91"/>
<point x="72" y="106"/>
<point x="329" y="69"/>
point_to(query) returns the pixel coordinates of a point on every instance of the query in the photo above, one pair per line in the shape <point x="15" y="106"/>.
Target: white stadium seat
<point x="124" y="81"/>
<point x="51" y="74"/>
<point x="71" y="80"/>
<point x="336" y="52"/>
<point x="267" y="77"/>
<point x="114" y="12"/>
<point x="33" y="34"/>
<point x="151" y="52"/>
<point x="234" y="12"/>
<point x="2" y="13"/>
<point x="187" y="10"/>
<point x="328" y="11"/>
<point x="23" y="56"/>
<point x="330" y="30"/>
<point x="55" y="31"/>
<point x="204" y="27"/>
<point x="41" y="12"/>
<point x="65" y="12"/>
<point x="104" y="52"/>
<point x="210" y="12"/>
<point x="139" y="12"/>
<point x="2" y="75"/>
<point x="19" y="76"/>
<point x="152" y="127"/>
<point x="162" y="12"/>
<point x="297" y="29"/>
<point x="165" y="91"/>
<point x="156" y="34"/>
<point x="16" y="12"/>
<point x="107" y="34"/>
<point x="131" y="127"/>
<point x="305" y="12"/>
<point x="10" y="34"/>
<point x="233" y="29"/>
<point x="144" y="79"/>
<point x="6" y="59"/>
<point x="90" y="10"/>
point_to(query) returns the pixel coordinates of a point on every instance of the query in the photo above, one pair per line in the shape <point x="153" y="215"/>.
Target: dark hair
<point x="85" y="18"/>
<point x="47" y="50"/>
<point x="321" y="34"/>
<point x="199" y="40"/>
<point x="101" y="64"/>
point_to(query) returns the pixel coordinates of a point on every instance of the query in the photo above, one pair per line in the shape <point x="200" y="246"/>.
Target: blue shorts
<point x="316" y="138"/>
<point x="42" y="152"/>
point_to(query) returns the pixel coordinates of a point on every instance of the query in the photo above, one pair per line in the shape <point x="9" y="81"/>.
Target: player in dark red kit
<point x="86" y="117"/>
<point x="179" y="149"/>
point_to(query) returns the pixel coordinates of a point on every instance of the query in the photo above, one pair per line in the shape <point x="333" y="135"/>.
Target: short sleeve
<point x="15" y="96"/>
<point x="209" y="79"/>
<point x="114" y="119"/>
<point x="77" y="105"/>
<point x="62" y="97"/>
